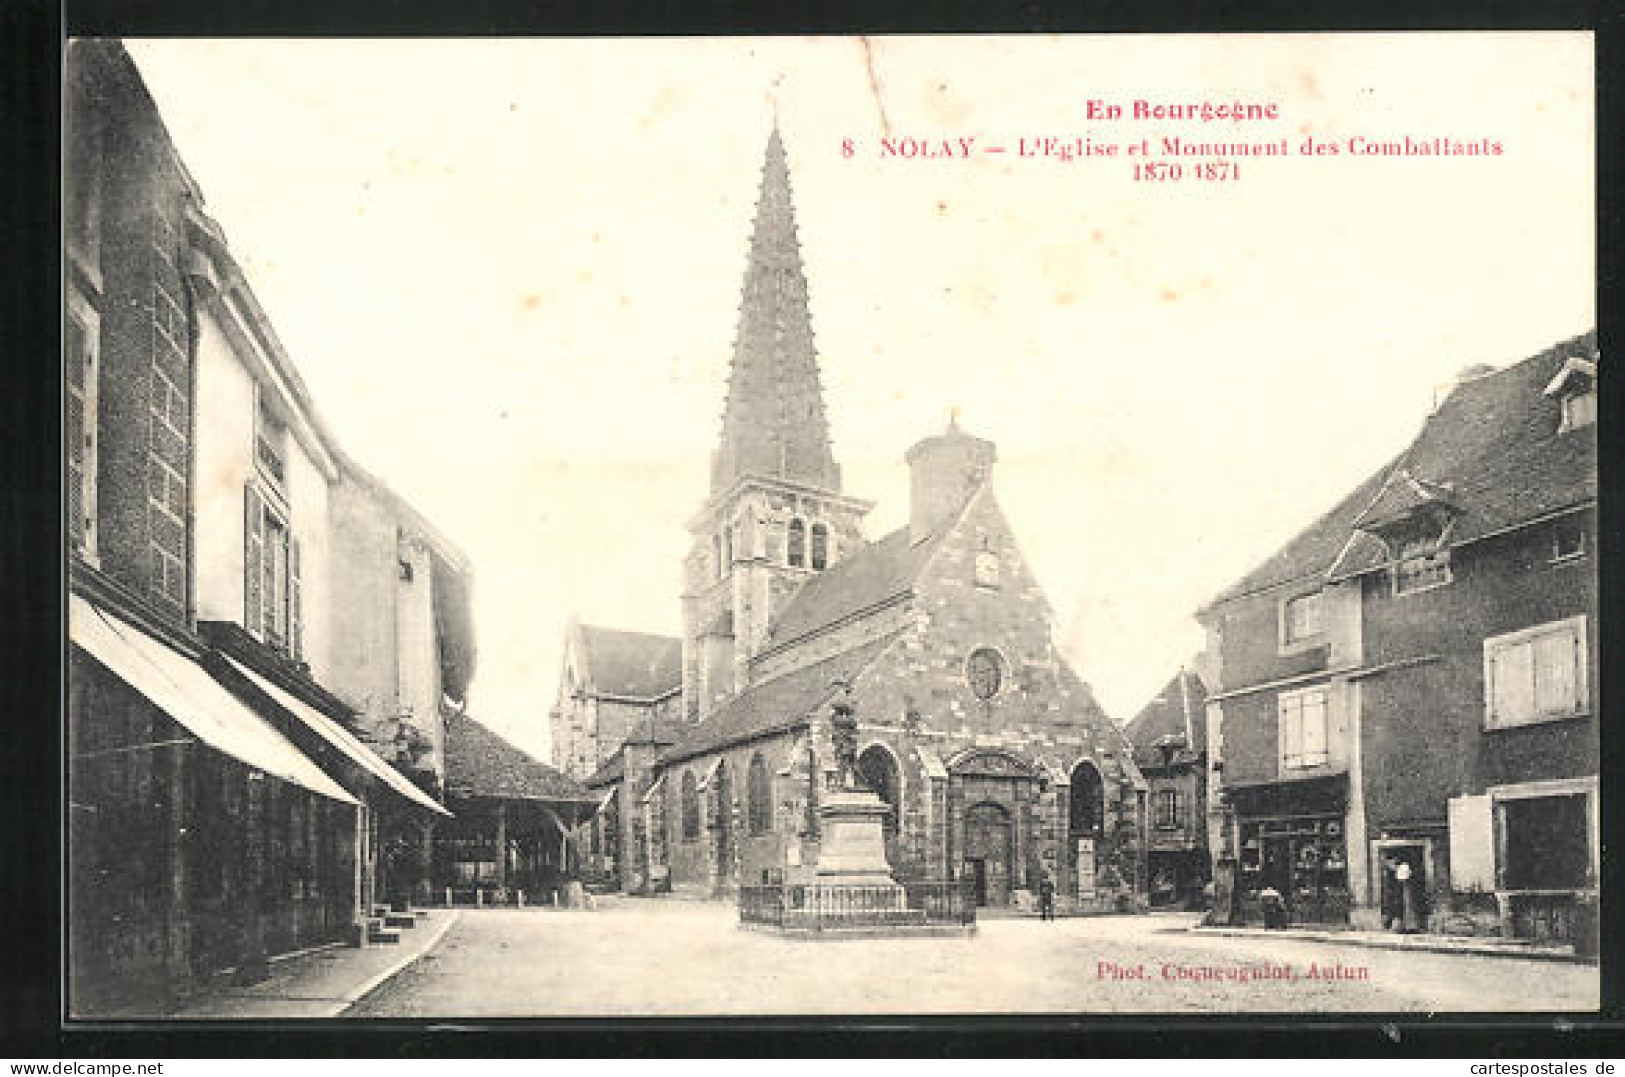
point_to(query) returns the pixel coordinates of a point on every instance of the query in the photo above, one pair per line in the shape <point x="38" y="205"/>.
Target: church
<point x="997" y="764"/>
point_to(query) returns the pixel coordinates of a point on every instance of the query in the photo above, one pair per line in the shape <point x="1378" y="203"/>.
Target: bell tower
<point x="775" y="515"/>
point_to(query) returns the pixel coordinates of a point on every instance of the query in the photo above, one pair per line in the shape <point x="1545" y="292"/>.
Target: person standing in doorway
<point x="1407" y="897"/>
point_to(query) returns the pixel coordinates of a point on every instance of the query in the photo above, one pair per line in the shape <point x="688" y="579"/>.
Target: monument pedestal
<point x="852" y="865"/>
<point x="852" y="846"/>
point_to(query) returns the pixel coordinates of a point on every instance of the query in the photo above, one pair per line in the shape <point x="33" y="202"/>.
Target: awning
<point x="184" y="690"/>
<point x="342" y="739"/>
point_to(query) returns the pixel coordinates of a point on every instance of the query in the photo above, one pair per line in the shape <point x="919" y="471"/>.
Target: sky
<point x="509" y="271"/>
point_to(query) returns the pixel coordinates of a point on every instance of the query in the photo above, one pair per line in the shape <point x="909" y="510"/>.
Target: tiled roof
<point x="881" y="570"/>
<point x="1164" y="717"/>
<point x="633" y="664"/>
<point x="479" y="763"/>
<point x="781" y="703"/>
<point x="1492" y="449"/>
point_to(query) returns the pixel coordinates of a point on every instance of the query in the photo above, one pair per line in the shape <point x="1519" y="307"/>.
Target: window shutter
<point x="1513" y="669"/>
<point x="253" y="561"/>
<point x="1555" y="680"/>
<point x="1291" y="732"/>
<point x="1472" y="843"/>
<point x="296" y="619"/>
<point x="1179" y="808"/>
<point x="1314" y="728"/>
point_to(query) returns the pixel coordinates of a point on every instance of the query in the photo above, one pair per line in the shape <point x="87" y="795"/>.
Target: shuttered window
<point x="1536" y="675"/>
<point x="253" y="561"/>
<point x="1303" y="735"/>
<point x="79" y="369"/>
<point x="272" y="592"/>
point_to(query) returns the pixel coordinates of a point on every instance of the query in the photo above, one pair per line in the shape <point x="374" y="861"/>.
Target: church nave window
<point x="759" y="790"/>
<point x="820" y="547"/>
<point x="797" y="557"/>
<point x="691" y="807"/>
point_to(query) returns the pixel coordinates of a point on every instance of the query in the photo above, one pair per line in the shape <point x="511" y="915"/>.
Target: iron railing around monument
<point x="822" y="906"/>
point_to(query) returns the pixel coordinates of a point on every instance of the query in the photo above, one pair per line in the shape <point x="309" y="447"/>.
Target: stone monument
<point x="852" y="852"/>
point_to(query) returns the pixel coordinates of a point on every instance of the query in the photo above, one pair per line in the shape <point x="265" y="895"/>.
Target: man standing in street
<point x="1046" y="897"/>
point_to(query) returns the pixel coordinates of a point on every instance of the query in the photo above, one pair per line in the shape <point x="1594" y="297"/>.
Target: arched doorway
<point x="1086" y="819"/>
<point x="989" y="852"/>
<point x="877" y="769"/>
<point x="720" y="817"/>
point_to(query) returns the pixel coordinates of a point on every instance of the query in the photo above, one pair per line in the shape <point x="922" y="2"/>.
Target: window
<point x="1535" y="675"/>
<point x="270" y="446"/>
<point x="987" y="568"/>
<point x="80" y="377"/>
<point x="759" y="790"/>
<point x="691" y="807"/>
<point x="1301" y="619"/>
<point x="1303" y="729"/>
<point x="1086" y="805"/>
<point x="1579" y="409"/>
<point x="1568" y="539"/>
<point x="984" y="672"/>
<point x="1548" y="844"/>
<point x="877" y="769"/>
<point x="1423" y="563"/>
<point x="272" y="597"/>
<point x="1167" y="810"/>
<point x="727" y="550"/>
<point x="798" y="544"/>
<point x="820" y="547"/>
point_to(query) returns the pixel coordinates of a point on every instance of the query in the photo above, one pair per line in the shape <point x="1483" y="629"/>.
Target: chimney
<point x="944" y="471"/>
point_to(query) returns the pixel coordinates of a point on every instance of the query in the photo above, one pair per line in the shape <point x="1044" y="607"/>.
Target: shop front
<point x="1290" y="838"/>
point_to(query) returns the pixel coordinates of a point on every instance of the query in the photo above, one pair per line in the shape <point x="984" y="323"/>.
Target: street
<point x="647" y="957"/>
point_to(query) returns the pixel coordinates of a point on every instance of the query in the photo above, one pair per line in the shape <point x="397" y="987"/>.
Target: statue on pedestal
<point x="844" y="732"/>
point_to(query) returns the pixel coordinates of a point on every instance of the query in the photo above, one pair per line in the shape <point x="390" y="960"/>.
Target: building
<point x="996" y="760"/>
<point x="509" y="841"/>
<point x="223" y="806"/>
<point x="1413" y="679"/>
<point x="1169" y="736"/>
<point x="610" y="683"/>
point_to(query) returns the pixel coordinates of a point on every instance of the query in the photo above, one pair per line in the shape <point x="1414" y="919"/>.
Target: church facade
<point x="997" y="763"/>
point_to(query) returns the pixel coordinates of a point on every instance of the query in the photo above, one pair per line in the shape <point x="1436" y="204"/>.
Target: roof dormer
<point x="1575" y="387"/>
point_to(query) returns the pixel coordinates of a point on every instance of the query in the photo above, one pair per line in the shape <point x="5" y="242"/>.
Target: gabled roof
<point x="1180" y="704"/>
<point x="479" y="763"/>
<point x="779" y="704"/>
<point x="869" y="576"/>
<point x="637" y="665"/>
<point x="1492" y="446"/>
<point x="1402" y="495"/>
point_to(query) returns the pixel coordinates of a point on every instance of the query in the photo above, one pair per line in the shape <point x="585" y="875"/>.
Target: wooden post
<point x="425" y="885"/>
<point x="358" y="882"/>
<point x="502" y="844"/>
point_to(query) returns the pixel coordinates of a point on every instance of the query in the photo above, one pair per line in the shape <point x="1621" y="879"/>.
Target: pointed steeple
<point x="773" y="422"/>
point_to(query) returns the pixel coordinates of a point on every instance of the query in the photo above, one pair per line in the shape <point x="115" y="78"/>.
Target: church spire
<point x="773" y="422"/>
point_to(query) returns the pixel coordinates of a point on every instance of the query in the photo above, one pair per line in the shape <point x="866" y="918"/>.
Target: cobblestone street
<point x="638" y="957"/>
